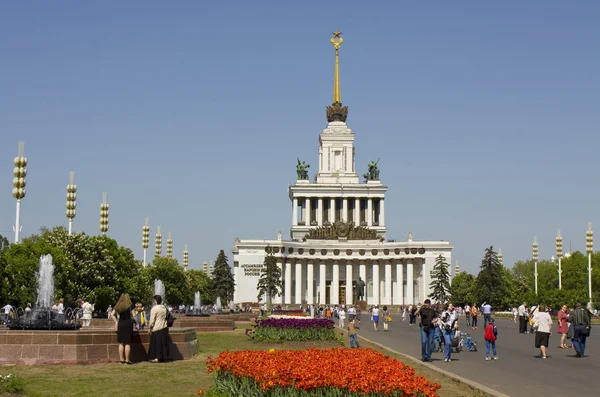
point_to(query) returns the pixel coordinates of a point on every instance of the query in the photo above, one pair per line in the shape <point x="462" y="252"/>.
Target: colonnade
<point x="369" y="211"/>
<point x="389" y="282"/>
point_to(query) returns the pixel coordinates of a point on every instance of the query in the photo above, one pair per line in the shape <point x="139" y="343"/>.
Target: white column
<point x="298" y="300"/>
<point x="310" y="279"/>
<point x="425" y="279"/>
<point x="382" y="212"/>
<point x="357" y="211"/>
<point x="322" y="282"/>
<point x="409" y="283"/>
<point x="349" y="290"/>
<point x="369" y="212"/>
<point x="332" y="210"/>
<point x="295" y="214"/>
<point x="320" y="211"/>
<point x="308" y="220"/>
<point x="334" y="293"/>
<point x="362" y="273"/>
<point x="388" y="283"/>
<point x="288" y="283"/>
<point x="276" y="300"/>
<point x="399" y="293"/>
<point x="375" y="283"/>
<point x="236" y="279"/>
<point x="344" y="209"/>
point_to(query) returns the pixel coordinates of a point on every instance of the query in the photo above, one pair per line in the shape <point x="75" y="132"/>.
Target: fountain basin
<point x="92" y="345"/>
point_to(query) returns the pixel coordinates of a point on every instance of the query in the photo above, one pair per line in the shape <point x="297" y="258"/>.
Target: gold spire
<point x="337" y="112"/>
<point x="337" y="41"/>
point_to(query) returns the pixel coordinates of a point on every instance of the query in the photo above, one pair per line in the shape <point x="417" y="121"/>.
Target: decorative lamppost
<point x="104" y="215"/>
<point x="456" y="269"/>
<point x="559" y="255"/>
<point x="158" y="243"/>
<point x="500" y="257"/>
<point x="145" y="238"/>
<point x="211" y="268"/>
<point x="71" y="200"/>
<point x="589" y="248"/>
<point x="185" y="257"/>
<point x="19" y="182"/>
<point x="535" y="263"/>
<point x="169" y="246"/>
<point x="205" y="267"/>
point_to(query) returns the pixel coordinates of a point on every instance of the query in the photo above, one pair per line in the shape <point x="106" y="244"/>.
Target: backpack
<point x="170" y="318"/>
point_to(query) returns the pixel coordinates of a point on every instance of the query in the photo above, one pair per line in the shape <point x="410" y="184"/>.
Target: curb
<point x="477" y="386"/>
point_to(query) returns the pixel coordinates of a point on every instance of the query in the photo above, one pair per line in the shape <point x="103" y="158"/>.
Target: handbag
<point x="389" y="318"/>
<point x="586" y="330"/>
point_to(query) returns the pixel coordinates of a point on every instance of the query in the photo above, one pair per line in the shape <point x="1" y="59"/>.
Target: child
<point x="353" y="335"/>
<point x="491" y="333"/>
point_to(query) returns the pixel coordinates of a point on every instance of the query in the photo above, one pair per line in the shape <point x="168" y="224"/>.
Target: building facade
<point x="338" y="233"/>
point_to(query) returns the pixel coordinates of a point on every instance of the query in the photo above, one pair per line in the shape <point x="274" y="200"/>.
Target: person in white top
<point x="342" y="315"/>
<point x="543" y="322"/>
<point x="88" y="309"/>
<point x="448" y="325"/>
<point x="375" y="317"/>
<point x="7" y="308"/>
<point x="522" y="311"/>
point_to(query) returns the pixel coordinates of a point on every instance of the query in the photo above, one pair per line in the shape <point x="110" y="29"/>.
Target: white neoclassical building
<point x="338" y="233"/>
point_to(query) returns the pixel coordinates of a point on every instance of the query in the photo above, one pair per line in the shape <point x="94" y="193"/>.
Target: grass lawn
<point x="179" y="378"/>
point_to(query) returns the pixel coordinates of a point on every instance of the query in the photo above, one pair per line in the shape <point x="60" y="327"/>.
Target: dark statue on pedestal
<point x="360" y="290"/>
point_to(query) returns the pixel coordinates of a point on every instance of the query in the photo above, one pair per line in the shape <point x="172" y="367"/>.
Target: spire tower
<point x="337" y="112"/>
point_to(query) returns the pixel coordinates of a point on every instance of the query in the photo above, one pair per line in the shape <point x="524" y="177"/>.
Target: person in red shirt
<point x="490" y="335"/>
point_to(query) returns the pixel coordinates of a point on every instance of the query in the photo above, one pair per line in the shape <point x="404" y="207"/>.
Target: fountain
<point x="218" y="305"/>
<point x="197" y="312"/>
<point x="197" y="301"/>
<point x="159" y="289"/>
<point x="42" y="317"/>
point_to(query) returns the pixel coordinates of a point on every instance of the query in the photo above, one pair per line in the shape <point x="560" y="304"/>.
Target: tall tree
<point x="223" y="282"/>
<point x="173" y="277"/>
<point x="462" y="289"/>
<point x="440" y="280"/>
<point x="269" y="283"/>
<point x="199" y="281"/>
<point x="491" y="283"/>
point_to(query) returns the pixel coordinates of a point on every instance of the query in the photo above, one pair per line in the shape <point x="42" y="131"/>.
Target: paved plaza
<point x="518" y="372"/>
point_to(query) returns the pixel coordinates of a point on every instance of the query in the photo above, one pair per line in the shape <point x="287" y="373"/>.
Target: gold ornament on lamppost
<point x="559" y="255"/>
<point x="104" y="215"/>
<point x="71" y="200"/>
<point x="211" y="268"/>
<point x="145" y="238"/>
<point x="535" y="263"/>
<point x="169" y="246"/>
<point x="500" y="257"/>
<point x="589" y="248"/>
<point x="19" y="182"/>
<point x="185" y="257"/>
<point x="158" y="243"/>
<point x="456" y="269"/>
<point x="205" y="267"/>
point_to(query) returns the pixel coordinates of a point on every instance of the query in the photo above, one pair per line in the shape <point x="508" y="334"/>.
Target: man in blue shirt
<point x="486" y="309"/>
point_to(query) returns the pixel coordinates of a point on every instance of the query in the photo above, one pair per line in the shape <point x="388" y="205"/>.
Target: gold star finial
<point x="337" y="33"/>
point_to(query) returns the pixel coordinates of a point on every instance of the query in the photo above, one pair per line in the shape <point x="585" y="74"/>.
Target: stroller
<point x="468" y="342"/>
<point x="457" y="341"/>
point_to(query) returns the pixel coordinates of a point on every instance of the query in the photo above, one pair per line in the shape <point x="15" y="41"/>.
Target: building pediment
<point x="343" y="231"/>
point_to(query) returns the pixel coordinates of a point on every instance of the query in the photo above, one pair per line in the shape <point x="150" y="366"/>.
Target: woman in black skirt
<point x="124" y="327"/>
<point x="159" y="332"/>
<point x="542" y="323"/>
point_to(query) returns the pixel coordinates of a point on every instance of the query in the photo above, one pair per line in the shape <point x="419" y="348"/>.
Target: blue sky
<point x="484" y="114"/>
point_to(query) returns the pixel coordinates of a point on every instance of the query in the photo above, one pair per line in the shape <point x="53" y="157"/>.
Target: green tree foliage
<point x="491" y="284"/>
<point x="462" y="289"/>
<point x="269" y="283"/>
<point x="440" y="281"/>
<point x="199" y="281"/>
<point x="223" y="281"/>
<point x="177" y="289"/>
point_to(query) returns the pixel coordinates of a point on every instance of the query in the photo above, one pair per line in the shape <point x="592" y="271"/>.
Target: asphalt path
<point x="519" y="370"/>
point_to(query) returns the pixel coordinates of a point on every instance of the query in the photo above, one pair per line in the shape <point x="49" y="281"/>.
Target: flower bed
<point x="290" y="312"/>
<point x="294" y="329"/>
<point x="299" y="317"/>
<point x="316" y="372"/>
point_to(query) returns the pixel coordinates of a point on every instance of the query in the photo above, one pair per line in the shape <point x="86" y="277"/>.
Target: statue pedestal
<point x="362" y="305"/>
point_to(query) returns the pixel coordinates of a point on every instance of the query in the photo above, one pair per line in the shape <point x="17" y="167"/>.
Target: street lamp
<point x="559" y="254"/>
<point x="71" y="200"/>
<point x="158" y="243"/>
<point x="145" y="238"/>
<point x="19" y="182"/>
<point x="185" y="257"/>
<point x="589" y="248"/>
<point x="535" y="263"/>
<point x="169" y="246"/>
<point x="104" y="215"/>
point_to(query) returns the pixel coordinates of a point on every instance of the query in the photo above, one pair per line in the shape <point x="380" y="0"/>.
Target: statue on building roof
<point x="373" y="172"/>
<point x="301" y="169"/>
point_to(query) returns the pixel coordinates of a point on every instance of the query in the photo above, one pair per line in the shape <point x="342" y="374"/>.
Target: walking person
<point x="124" y="327"/>
<point x="385" y="316"/>
<point x="448" y="323"/>
<point x="375" y="317"/>
<point x="468" y="314"/>
<point x="159" y="332"/>
<point x="522" y="311"/>
<point x="542" y="323"/>
<point x="342" y="317"/>
<point x="427" y="324"/>
<point x="581" y="321"/>
<point x="474" y="316"/>
<point x="486" y="309"/>
<point x="563" y="326"/>
<point x="490" y="336"/>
